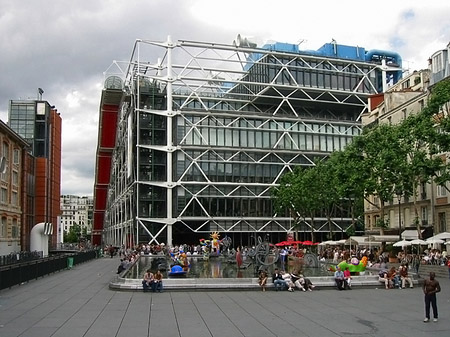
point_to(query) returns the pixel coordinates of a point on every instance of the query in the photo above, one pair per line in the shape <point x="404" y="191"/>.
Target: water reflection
<point x="218" y="267"/>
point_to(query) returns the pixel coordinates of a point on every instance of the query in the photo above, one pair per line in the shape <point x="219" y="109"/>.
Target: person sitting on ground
<point x="278" y="280"/>
<point x="383" y="277"/>
<point x="147" y="282"/>
<point x="405" y="277"/>
<point x="339" y="279"/>
<point x="262" y="279"/>
<point x="122" y="266"/>
<point x="158" y="283"/>
<point x="348" y="278"/>
<point x="294" y="278"/>
<point x="394" y="278"/>
<point x="306" y="283"/>
<point x="288" y="280"/>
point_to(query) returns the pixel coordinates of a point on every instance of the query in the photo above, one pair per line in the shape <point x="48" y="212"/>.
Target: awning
<point x="356" y="240"/>
<point x="384" y="238"/>
<point x="362" y="241"/>
<point x="411" y="234"/>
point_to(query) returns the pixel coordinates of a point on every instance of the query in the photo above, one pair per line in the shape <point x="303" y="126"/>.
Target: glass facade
<point x="29" y="120"/>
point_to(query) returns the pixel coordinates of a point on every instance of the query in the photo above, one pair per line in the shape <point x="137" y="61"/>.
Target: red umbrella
<point x="308" y="243"/>
<point x="283" y="243"/>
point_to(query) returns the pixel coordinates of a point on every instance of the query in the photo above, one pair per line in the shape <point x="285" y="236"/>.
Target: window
<point x="14" y="229"/>
<point x="3" y="227"/>
<point x="4" y="196"/>
<point x="424" y="211"/>
<point x="16" y="158"/>
<point x="15" y="178"/>
<point x="441" y="191"/>
<point x="5" y="154"/>
<point x="406" y="84"/>
<point x="14" y="198"/>
<point x="442" y="222"/>
<point x="437" y="63"/>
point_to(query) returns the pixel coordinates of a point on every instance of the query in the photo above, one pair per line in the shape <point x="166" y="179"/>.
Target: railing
<point x="18" y="257"/>
<point x="19" y="273"/>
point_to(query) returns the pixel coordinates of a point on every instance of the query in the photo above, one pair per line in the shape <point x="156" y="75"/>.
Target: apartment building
<point x="76" y="210"/>
<point x="409" y="96"/>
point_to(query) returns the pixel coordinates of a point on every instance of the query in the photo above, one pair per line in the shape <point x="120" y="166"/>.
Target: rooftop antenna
<point x="300" y="41"/>
<point x="40" y="92"/>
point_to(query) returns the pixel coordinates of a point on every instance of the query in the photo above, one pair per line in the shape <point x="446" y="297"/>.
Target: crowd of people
<point x="396" y="277"/>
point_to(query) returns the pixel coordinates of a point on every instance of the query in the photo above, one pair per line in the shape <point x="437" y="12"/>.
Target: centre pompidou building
<point x="193" y="136"/>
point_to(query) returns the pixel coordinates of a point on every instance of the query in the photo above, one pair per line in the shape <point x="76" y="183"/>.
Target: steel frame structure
<point x="206" y="131"/>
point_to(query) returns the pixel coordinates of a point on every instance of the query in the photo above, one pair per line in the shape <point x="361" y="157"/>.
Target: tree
<point x="300" y="193"/>
<point x="421" y="164"/>
<point x="349" y="171"/>
<point x="382" y="165"/>
<point x="73" y="235"/>
<point x="328" y="198"/>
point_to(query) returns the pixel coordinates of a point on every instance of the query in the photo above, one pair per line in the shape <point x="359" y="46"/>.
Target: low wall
<point x="19" y="273"/>
<point x="222" y="284"/>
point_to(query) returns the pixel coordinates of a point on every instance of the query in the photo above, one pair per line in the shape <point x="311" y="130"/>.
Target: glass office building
<point x="204" y="131"/>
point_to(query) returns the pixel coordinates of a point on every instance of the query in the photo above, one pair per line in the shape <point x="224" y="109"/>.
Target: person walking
<point x="430" y="288"/>
<point x="448" y="265"/>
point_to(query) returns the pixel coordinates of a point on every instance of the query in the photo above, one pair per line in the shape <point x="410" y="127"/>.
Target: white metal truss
<point x="209" y="87"/>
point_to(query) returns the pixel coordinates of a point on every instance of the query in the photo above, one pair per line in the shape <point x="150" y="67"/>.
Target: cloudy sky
<point x="65" y="46"/>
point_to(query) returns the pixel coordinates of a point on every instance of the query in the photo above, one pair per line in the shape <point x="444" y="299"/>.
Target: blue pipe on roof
<point x="392" y="58"/>
<point x="371" y="55"/>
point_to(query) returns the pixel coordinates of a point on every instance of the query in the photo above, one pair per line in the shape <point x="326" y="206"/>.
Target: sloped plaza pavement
<point x="78" y="302"/>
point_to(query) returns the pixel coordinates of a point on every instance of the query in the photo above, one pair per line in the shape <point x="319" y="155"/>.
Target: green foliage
<point x="382" y="223"/>
<point x="385" y="160"/>
<point x="73" y="235"/>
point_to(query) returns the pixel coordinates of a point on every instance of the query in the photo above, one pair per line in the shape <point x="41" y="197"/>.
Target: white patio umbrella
<point x="402" y="243"/>
<point x="418" y="242"/>
<point x="329" y="242"/>
<point x="434" y="240"/>
<point x="443" y="235"/>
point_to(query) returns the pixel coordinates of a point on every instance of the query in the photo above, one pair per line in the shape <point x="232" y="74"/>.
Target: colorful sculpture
<point x="215" y="243"/>
<point x="211" y="246"/>
<point x="355" y="266"/>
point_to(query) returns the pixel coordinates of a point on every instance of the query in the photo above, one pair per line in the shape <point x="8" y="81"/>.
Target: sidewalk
<point x="78" y="302"/>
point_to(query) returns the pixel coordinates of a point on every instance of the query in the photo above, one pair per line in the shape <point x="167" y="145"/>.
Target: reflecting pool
<point x="218" y="267"/>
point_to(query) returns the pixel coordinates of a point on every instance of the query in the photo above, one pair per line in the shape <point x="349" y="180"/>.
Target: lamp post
<point x="399" y="195"/>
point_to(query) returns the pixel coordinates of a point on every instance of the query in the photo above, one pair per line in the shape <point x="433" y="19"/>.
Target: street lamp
<point x="399" y="195"/>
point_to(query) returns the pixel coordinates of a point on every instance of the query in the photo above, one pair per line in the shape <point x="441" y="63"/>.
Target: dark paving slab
<point x="78" y="302"/>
